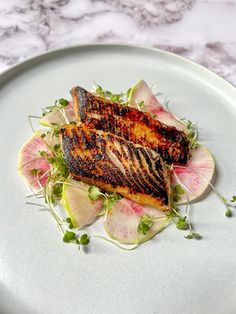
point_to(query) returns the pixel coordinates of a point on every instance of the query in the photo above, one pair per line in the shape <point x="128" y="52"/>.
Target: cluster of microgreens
<point x="108" y="199"/>
<point x="56" y="176"/>
<point x="121" y="98"/>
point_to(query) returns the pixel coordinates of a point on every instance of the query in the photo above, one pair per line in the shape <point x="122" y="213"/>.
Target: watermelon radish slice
<point x="122" y="221"/>
<point x="29" y="159"/>
<point x="57" y="117"/>
<point x="141" y="92"/>
<point x="81" y="209"/>
<point x="196" y="175"/>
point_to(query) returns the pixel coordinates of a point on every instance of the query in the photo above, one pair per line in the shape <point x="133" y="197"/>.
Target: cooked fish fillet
<point x="131" y="124"/>
<point x="116" y="165"/>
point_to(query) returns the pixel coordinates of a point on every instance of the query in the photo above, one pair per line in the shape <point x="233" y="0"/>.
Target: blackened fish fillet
<point x="116" y="165"/>
<point x="131" y="124"/>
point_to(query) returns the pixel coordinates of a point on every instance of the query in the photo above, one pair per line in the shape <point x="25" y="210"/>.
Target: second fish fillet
<point x="131" y="124"/>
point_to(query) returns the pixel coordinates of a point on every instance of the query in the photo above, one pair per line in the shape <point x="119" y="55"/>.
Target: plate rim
<point x="190" y="62"/>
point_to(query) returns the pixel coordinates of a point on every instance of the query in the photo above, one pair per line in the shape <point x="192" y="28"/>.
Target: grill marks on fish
<point x="131" y="124"/>
<point x="123" y="167"/>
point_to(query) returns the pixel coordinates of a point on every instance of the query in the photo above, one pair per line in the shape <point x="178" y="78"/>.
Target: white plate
<point x="41" y="274"/>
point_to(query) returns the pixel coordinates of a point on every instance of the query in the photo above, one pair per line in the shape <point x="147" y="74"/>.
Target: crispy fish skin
<point x="116" y="165"/>
<point x="131" y="124"/>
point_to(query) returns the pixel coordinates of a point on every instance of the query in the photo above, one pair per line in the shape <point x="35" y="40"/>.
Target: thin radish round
<point x="196" y="175"/>
<point x="141" y="92"/>
<point x="81" y="209"/>
<point x="122" y="221"/>
<point x="57" y="116"/>
<point x="30" y="160"/>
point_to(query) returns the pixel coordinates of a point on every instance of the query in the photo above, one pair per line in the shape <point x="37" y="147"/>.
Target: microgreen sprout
<point x="181" y="222"/>
<point x="140" y="105"/>
<point x="121" y="98"/>
<point x="108" y="199"/>
<point x="59" y="104"/>
<point x="233" y="199"/>
<point x="192" y="132"/>
<point x="70" y="224"/>
<point x="35" y="172"/>
<point x="71" y="237"/>
<point x="145" y="224"/>
<point x="94" y="193"/>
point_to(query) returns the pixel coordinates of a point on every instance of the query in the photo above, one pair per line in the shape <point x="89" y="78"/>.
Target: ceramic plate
<point x="41" y="274"/>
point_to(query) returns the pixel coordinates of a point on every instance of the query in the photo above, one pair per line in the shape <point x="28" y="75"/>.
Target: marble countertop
<point x="201" y="30"/>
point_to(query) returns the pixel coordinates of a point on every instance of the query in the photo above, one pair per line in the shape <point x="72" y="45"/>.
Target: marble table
<point x="202" y="30"/>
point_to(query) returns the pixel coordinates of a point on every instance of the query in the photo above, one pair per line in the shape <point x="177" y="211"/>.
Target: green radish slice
<point x="141" y="92"/>
<point x="81" y="209"/>
<point x="196" y="175"/>
<point x="122" y="221"/>
<point x="29" y="159"/>
<point x="56" y="116"/>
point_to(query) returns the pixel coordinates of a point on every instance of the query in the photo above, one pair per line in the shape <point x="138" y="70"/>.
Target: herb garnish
<point x="71" y="237"/>
<point x="59" y="104"/>
<point x="108" y="199"/>
<point x="121" y="98"/>
<point x="145" y="224"/>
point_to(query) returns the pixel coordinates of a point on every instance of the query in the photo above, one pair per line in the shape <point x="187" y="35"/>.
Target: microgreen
<point x="228" y="212"/>
<point x="94" y="193"/>
<point x="182" y="224"/>
<point x="178" y="189"/>
<point x="34" y="172"/>
<point x="70" y="224"/>
<point x="145" y="224"/>
<point x="233" y="199"/>
<point x="192" y="132"/>
<point x="71" y="237"/>
<point x="121" y="98"/>
<point x="141" y="105"/>
<point x="193" y="235"/>
<point x="59" y="104"/>
<point x="110" y="200"/>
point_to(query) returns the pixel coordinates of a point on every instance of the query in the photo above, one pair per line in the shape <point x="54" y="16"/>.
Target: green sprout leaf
<point x="193" y="235"/>
<point x="233" y="199"/>
<point x="63" y="102"/>
<point x="176" y="198"/>
<point x="182" y="223"/>
<point x="94" y="193"/>
<point x="228" y="212"/>
<point x="141" y="105"/>
<point x="178" y="189"/>
<point x="111" y="200"/>
<point x="68" y="220"/>
<point x="59" y="104"/>
<point x="84" y="239"/>
<point x="69" y="236"/>
<point x="121" y="98"/>
<point x="145" y="224"/>
<point x="35" y="172"/>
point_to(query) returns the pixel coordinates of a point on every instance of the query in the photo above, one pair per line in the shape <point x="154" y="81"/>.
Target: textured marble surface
<point x="202" y="30"/>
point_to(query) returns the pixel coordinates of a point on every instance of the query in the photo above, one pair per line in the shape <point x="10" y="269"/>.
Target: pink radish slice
<point x="57" y="117"/>
<point x="122" y="221"/>
<point x="196" y="175"/>
<point x="141" y="92"/>
<point x="81" y="209"/>
<point x="29" y="158"/>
